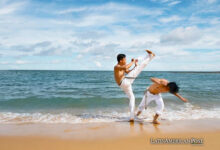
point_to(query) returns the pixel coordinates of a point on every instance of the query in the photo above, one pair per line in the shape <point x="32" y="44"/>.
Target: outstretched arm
<point x="180" y="97"/>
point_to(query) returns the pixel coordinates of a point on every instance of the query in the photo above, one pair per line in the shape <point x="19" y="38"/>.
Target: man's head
<point x="121" y="59"/>
<point x="173" y="87"/>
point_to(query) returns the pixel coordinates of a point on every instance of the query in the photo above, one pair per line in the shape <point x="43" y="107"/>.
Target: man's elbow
<point x="127" y="71"/>
<point x="152" y="79"/>
<point x="127" y="67"/>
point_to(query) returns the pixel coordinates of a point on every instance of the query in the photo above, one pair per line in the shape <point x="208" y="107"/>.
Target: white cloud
<point x="98" y="64"/>
<point x="4" y="62"/>
<point x="96" y="20"/>
<point x="20" y="62"/>
<point x="79" y="56"/>
<point x="71" y="10"/>
<point x="11" y="7"/>
<point x="168" y="2"/>
<point x="57" y="61"/>
<point x="170" y="19"/>
<point x="182" y="35"/>
<point x="203" y="7"/>
<point x="88" y="21"/>
<point x="194" y="20"/>
<point x="100" y="32"/>
<point x="105" y="14"/>
<point x="174" y="3"/>
<point x="112" y="8"/>
<point x="211" y="1"/>
<point x="107" y="17"/>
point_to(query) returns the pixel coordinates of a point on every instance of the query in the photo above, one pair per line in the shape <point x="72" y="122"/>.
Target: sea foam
<point x="187" y="112"/>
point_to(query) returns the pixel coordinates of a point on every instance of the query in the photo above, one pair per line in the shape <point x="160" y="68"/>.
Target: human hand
<point x="136" y="62"/>
<point x="185" y="100"/>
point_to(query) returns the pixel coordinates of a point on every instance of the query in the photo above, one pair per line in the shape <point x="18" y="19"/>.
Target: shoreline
<point x="96" y="130"/>
<point x="114" y="135"/>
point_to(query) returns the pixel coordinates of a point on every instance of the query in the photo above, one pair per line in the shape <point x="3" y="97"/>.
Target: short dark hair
<point x="173" y="87"/>
<point x="120" y="57"/>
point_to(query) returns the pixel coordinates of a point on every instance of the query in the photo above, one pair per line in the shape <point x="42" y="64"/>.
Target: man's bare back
<point x="160" y="87"/>
<point x="119" y="74"/>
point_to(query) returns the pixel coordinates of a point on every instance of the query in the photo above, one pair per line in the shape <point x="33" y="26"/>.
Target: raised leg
<point x="136" y="71"/>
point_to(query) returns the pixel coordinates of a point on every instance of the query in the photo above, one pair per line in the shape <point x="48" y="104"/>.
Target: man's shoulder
<point x="116" y="66"/>
<point x="164" y="80"/>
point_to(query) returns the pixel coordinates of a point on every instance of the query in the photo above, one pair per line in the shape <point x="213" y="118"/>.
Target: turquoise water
<point x="77" y="96"/>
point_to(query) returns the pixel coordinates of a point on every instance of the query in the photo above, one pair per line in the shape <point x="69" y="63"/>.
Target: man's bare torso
<point x="119" y="74"/>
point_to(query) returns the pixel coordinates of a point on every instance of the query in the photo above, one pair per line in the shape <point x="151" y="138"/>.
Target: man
<point x="125" y="82"/>
<point x="152" y="93"/>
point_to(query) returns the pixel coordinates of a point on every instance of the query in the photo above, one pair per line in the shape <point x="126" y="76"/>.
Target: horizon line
<point x="102" y="70"/>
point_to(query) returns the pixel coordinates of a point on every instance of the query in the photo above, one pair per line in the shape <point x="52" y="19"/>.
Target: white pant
<point x="126" y="84"/>
<point x="147" y="98"/>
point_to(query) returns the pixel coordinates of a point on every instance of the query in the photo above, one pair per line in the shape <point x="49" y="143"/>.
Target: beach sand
<point x="121" y="135"/>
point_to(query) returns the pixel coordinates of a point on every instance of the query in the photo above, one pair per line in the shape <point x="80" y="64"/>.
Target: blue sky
<point x="88" y="34"/>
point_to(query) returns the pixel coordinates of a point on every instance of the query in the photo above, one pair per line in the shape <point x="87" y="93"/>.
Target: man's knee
<point x="132" y="102"/>
<point x="141" y="107"/>
<point x="160" y="110"/>
<point x="132" y="98"/>
<point x="160" y="106"/>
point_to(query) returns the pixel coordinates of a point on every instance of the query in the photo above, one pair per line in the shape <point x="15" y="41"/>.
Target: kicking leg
<point x="136" y="71"/>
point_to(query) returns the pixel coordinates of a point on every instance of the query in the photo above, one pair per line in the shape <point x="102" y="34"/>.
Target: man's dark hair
<point x="173" y="87"/>
<point x="120" y="57"/>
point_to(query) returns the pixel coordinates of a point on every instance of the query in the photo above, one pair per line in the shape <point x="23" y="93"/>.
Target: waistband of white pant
<point x="121" y="82"/>
<point x="151" y="93"/>
<point x="126" y="78"/>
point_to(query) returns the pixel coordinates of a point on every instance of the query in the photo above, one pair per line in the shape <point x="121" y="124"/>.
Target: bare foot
<point x="150" y="52"/>
<point x="155" y="119"/>
<point x="156" y="122"/>
<point x="131" y="120"/>
<point x="138" y="113"/>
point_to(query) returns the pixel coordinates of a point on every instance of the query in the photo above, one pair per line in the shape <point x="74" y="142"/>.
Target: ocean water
<point x="93" y="96"/>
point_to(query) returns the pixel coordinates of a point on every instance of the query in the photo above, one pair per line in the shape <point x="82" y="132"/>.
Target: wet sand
<point x="197" y="134"/>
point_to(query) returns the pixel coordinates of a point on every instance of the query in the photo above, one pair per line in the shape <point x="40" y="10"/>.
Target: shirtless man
<point x="152" y="93"/>
<point x="125" y="82"/>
